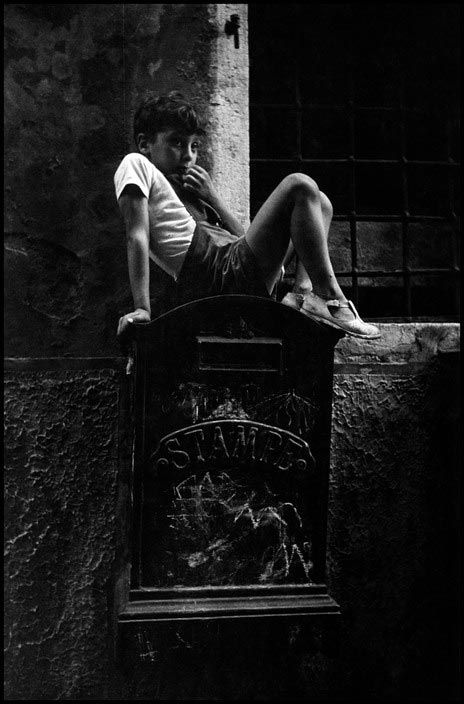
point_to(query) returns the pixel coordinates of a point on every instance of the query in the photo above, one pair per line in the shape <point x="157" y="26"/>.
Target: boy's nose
<point x="187" y="155"/>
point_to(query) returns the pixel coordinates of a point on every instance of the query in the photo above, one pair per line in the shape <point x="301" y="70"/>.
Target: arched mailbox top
<point x="237" y="316"/>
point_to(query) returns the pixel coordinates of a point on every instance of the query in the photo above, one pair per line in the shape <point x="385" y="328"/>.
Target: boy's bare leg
<point x="302" y="282"/>
<point x="296" y="209"/>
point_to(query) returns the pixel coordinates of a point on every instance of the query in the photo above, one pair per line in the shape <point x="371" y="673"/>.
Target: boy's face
<point x="172" y="152"/>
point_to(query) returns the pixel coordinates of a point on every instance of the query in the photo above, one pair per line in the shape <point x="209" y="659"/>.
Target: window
<point x="364" y="99"/>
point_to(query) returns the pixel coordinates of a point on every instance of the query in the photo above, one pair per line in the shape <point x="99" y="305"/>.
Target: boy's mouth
<point x="176" y="177"/>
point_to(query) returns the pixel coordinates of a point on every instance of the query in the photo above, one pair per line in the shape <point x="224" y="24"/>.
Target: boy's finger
<point x="190" y="187"/>
<point x="192" y="177"/>
<point x="198" y="169"/>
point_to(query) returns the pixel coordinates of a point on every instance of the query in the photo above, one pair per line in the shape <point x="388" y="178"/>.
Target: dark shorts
<point x="218" y="263"/>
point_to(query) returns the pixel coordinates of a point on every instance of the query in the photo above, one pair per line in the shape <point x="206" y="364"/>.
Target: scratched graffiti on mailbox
<point x="196" y="403"/>
<point x="235" y="508"/>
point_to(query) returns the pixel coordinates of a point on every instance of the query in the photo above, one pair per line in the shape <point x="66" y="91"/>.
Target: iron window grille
<point x="385" y="159"/>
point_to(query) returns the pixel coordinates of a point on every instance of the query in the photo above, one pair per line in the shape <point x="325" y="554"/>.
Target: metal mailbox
<point x="230" y="417"/>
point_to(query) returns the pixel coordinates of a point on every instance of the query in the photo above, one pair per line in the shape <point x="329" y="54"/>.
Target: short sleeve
<point x="134" y="169"/>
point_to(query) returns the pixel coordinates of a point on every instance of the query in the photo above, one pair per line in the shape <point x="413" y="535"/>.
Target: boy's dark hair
<point x="163" y="112"/>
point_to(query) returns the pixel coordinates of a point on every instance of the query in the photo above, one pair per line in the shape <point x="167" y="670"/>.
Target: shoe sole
<point x="324" y="321"/>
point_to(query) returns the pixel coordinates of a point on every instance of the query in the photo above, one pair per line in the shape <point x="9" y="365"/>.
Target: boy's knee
<point x="326" y="205"/>
<point x="301" y="184"/>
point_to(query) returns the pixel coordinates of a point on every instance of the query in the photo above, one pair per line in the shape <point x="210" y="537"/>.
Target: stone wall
<point x="74" y="75"/>
<point x="394" y="513"/>
<point x="61" y="478"/>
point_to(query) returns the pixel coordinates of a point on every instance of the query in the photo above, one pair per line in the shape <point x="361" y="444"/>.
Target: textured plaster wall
<point x="393" y="532"/>
<point x="61" y="451"/>
<point x="393" y="529"/>
<point x="74" y="75"/>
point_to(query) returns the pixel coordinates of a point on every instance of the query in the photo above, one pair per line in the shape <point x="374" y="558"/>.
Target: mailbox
<point x="230" y="414"/>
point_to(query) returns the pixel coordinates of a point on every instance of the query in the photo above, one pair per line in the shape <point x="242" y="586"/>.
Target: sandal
<point x="293" y="300"/>
<point x="318" y="309"/>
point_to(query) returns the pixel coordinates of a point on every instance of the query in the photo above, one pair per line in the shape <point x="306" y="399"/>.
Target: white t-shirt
<point x="171" y="225"/>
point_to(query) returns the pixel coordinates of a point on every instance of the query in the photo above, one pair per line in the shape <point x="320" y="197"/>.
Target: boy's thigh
<point x="269" y="233"/>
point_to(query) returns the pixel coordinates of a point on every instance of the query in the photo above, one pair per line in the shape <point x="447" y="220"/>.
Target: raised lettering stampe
<point x="223" y="443"/>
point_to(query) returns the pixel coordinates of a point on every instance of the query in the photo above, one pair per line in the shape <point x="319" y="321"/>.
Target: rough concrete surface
<point x="393" y="551"/>
<point x="405" y="343"/>
<point x="61" y="455"/>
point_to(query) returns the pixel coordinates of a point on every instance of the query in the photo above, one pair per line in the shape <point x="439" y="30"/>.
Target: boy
<point x="174" y="216"/>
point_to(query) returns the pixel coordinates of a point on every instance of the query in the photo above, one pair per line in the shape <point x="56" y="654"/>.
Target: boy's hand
<point x="138" y="316"/>
<point x="199" y="181"/>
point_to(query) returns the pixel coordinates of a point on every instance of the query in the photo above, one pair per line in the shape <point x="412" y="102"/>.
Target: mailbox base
<point x="229" y="602"/>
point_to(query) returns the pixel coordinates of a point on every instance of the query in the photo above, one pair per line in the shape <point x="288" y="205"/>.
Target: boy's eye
<point x="179" y="143"/>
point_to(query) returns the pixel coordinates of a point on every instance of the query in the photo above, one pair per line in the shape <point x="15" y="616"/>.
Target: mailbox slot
<point x="240" y="355"/>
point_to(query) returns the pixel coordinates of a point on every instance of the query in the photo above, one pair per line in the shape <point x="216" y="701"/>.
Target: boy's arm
<point x="134" y="208"/>
<point x="197" y="180"/>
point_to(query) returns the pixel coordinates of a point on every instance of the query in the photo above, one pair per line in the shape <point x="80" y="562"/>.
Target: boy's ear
<point x="142" y="143"/>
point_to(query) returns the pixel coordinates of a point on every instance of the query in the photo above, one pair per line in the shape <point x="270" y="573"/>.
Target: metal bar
<point x="384" y="218"/>
<point x="361" y="273"/>
<point x="455" y="229"/>
<point x="452" y="215"/>
<point x="354" y="259"/>
<point x="406" y="270"/>
<point x="366" y="162"/>
<point x="352" y="215"/>
<point x="407" y="300"/>
<point x="299" y="112"/>
<point x="392" y="218"/>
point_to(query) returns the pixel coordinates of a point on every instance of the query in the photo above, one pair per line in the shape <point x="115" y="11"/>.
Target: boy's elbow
<point x="136" y="237"/>
<point x="137" y="243"/>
